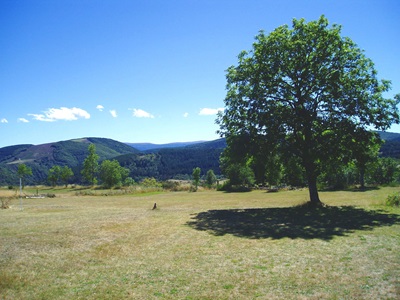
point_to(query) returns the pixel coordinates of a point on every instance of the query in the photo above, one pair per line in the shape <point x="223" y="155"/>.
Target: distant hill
<point x="150" y="146"/>
<point x="42" y="157"/>
<point x="166" y="162"/>
<point x="389" y="136"/>
<point x="391" y="146"/>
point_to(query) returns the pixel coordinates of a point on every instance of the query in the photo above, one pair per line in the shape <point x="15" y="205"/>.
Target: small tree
<point x="196" y="177"/>
<point x="211" y="179"/>
<point x="91" y="165"/>
<point x="23" y="171"/>
<point x="66" y="174"/>
<point x="54" y="175"/>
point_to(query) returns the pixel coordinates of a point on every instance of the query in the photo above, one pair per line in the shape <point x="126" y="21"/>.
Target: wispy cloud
<point x="140" y="113"/>
<point x="100" y="107"/>
<point x="185" y="115"/>
<point x="209" y="111"/>
<point x="113" y="112"/>
<point x="4" y="120"/>
<point x="63" y="113"/>
<point x="22" y="120"/>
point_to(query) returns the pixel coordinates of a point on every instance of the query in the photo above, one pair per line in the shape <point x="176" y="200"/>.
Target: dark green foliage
<point x="239" y="175"/>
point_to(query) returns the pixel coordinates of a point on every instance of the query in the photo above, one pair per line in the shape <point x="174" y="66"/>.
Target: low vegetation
<point x="204" y="245"/>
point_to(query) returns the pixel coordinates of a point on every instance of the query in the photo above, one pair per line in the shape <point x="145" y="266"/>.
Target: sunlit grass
<point x="117" y="247"/>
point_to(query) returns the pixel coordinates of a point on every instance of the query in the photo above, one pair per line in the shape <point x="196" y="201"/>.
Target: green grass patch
<point x="204" y="245"/>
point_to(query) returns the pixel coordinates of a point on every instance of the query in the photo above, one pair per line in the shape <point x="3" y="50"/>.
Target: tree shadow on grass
<point x="291" y="222"/>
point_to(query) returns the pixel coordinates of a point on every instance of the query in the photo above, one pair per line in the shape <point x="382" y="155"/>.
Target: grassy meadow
<point x="203" y="245"/>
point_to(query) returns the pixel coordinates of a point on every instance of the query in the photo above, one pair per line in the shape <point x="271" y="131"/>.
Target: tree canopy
<point x="305" y="92"/>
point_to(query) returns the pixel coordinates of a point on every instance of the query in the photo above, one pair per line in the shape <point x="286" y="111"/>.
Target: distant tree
<point x="305" y="90"/>
<point x="23" y="171"/>
<point x="196" y="177"/>
<point x="111" y="173"/>
<point x="54" y="175"/>
<point x="91" y="165"/>
<point x="66" y="174"/>
<point x="365" y="151"/>
<point x="211" y="179"/>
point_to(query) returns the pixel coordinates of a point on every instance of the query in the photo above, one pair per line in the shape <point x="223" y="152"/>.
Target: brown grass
<point x="204" y="245"/>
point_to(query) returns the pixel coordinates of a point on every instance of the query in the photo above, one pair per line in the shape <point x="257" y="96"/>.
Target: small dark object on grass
<point x="155" y="206"/>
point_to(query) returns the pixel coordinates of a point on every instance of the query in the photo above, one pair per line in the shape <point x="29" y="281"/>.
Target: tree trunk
<point x="313" y="191"/>
<point x="312" y="184"/>
<point x="362" y="176"/>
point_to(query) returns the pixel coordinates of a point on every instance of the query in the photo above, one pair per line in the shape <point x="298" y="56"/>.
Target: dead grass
<point x="204" y="245"/>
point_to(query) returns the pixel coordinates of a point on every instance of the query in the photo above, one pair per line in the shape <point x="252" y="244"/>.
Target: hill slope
<point x="42" y="157"/>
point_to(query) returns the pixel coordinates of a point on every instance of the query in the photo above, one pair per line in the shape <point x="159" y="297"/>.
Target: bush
<point x="5" y="202"/>
<point x="171" y="185"/>
<point x="393" y="200"/>
<point x="151" y="182"/>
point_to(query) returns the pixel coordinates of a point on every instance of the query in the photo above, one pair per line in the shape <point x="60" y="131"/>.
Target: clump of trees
<point x="303" y="100"/>
<point x="57" y="174"/>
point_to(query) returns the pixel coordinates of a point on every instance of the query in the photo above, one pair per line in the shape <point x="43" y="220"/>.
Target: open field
<point x="204" y="245"/>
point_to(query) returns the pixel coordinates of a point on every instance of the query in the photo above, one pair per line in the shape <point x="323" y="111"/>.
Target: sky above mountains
<point x="151" y="70"/>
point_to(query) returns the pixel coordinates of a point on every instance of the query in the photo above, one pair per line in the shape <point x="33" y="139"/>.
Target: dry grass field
<point x="203" y="245"/>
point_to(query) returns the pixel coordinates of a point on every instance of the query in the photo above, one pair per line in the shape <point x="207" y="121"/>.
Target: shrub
<point x="393" y="199"/>
<point x="151" y="182"/>
<point x="5" y="202"/>
<point x="171" y="185"/>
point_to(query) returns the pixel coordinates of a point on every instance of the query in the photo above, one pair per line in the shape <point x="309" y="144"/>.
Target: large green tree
<point x="307" y="91"/>
<point x="91" y="165"/>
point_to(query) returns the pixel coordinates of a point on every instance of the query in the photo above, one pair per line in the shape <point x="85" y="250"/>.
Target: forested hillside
<point x="40" y="158"/>
<point x="166" y="163"/>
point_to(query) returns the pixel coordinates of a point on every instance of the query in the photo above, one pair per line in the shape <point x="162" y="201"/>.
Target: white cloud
<point x="113" y="112"/>
<point x="100" y="107"/>
<point x="62" y="113"/>
<point x="4" y="120"/>
<point x="23" y="120"/>
<point x="139" y="113"/>
<point x="185" y="115"/>
<point x="209" y="111"/>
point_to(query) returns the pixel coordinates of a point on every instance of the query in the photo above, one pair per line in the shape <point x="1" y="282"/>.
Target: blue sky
<point x="150" y="71"/>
